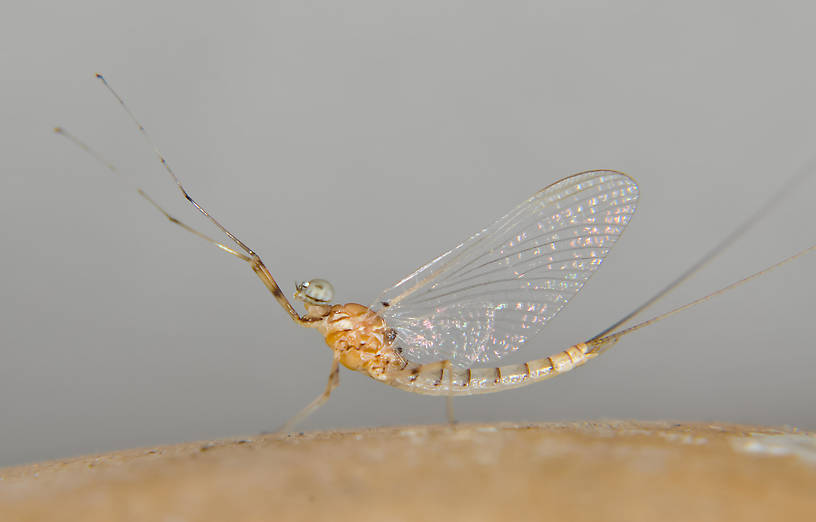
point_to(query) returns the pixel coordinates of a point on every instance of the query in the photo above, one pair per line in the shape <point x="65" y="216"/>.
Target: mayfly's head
<point x="314" y="292"/>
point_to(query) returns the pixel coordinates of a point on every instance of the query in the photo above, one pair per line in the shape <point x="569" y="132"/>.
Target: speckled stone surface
<point x="612" y="470"/>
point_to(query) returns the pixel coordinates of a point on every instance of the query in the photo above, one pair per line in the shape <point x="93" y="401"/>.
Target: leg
<point x="449" y="399"/>
<point x="79" y="143"/>
<point x="444" y="368"/>
<point x="250" y="256"/>
<point x="255" y="262"/>
<point x="334" y="380"/>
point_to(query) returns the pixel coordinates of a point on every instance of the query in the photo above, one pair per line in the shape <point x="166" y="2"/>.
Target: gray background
<point x="356" y="140"/>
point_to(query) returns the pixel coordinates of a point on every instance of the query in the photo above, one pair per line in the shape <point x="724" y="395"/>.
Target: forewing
<point x="489" y="295"/>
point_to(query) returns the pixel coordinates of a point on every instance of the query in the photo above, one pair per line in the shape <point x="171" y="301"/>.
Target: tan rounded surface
<point x="591" y="471"/>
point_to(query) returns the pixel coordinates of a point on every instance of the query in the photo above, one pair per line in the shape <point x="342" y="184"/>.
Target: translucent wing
<point x="489" y="295"/>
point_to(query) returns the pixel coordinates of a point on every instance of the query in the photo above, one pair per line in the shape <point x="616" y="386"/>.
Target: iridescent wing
<point x="489" y="295"/>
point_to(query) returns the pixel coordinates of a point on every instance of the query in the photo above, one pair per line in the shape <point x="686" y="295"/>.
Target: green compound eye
<point x="316" y="292"/>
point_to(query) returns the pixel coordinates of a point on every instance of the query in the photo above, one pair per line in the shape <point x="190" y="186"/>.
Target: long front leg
<point x="334" y="381"/>
<point x="253" y="259"/>
<point x="248" y="254"/>
<point x="263" y="273"/>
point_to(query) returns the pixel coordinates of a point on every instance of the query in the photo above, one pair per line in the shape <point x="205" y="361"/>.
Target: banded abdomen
<point x="441" y="379"/>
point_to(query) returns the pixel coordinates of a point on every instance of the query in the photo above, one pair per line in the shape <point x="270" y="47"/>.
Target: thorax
<point x="360" y="337"/>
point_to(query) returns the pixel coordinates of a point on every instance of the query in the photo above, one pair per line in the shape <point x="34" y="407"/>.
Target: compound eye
<point x="316" y="291"/>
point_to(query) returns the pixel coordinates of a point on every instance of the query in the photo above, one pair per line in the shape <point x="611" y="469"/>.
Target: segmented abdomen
<point x="436" y="379"/>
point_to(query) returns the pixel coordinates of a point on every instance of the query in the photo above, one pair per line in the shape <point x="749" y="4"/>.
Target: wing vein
<point x="491" y="293"/>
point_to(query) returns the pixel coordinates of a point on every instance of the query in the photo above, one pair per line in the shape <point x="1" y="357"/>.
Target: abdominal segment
<point x="443" y="379"/>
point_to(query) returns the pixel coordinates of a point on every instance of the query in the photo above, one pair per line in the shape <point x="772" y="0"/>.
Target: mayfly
<point x="476" y="303"/>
